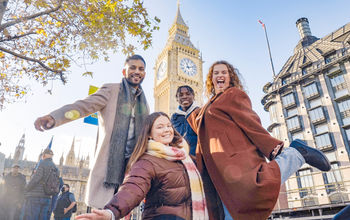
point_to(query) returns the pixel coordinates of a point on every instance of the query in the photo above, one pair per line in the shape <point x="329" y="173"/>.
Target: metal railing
<point x="335" y="193"/>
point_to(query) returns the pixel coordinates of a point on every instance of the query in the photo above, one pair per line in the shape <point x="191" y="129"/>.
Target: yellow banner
<point x="92" y="89"/>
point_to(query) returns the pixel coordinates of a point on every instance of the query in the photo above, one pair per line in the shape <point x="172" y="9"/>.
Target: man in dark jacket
<point x="65" y="204"/>
<point x="55" y="197"/>
<point x="14" y="192"/>
<point x="37" y="203"/>
<point x="185" y="98"/>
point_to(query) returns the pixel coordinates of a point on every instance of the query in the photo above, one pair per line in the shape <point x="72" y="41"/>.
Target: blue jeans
<point x="289" y="162"/>
<point x="36" y="208"/>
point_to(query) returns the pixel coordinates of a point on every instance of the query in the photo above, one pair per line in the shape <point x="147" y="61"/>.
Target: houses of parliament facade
<point x="74" y="170"/>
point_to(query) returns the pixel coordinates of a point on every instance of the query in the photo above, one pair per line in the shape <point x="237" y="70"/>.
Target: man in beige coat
<point x="121" y="108"/>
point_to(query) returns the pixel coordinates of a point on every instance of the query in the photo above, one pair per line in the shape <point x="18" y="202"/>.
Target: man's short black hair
<point x="66" y="185"/>
<point x="135" y="57"/>
<point x="184" y="87"/>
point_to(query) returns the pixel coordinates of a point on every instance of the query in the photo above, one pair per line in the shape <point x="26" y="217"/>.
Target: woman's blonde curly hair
<point x="234" y="78"/>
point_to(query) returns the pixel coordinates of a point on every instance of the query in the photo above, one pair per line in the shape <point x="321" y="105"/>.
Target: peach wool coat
<point x="230" y="156"/>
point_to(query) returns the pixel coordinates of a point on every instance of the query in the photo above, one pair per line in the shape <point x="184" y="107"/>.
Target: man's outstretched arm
<point x="82" y="108"/>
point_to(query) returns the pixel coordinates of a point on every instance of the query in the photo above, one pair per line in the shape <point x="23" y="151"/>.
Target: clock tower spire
<point x="179" y="63"/>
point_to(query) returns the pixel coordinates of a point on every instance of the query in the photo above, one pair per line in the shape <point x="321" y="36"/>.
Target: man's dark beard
<point x="134" y="84"/>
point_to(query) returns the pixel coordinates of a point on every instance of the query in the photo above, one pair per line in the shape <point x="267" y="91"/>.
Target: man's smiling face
<point x="134" y="72"/>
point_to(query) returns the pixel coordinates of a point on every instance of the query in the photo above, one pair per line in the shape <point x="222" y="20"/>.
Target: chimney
<point x="303" y="27"/>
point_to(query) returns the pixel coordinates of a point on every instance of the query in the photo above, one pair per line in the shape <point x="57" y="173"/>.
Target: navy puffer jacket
<point x="181" y="125"/>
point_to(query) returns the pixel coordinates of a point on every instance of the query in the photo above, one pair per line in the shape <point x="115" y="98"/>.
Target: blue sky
<point x="226" y="30"/>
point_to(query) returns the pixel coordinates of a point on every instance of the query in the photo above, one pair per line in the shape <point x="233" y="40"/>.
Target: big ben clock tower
<point x="178" y="64"/>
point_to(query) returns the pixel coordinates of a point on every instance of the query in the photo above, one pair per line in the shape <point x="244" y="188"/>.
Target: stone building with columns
<point x="309" y="99"/>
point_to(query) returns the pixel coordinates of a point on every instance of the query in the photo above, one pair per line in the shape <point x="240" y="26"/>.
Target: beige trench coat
<point x="104" y="101"/>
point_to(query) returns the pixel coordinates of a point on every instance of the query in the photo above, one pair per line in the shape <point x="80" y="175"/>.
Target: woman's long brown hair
<point x="141" y="145"/>
<point x="235" y="78"/>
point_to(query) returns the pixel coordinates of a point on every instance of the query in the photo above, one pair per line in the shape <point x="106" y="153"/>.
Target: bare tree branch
<point x="19" y="20"/>
<point x="16" y="37"/>
<point x="35" y="61"/>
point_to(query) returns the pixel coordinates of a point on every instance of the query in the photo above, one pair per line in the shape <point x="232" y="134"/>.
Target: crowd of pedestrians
<point x="33" y="200"/>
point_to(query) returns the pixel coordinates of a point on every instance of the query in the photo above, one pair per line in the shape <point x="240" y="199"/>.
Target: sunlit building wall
<point x="309" y="99"/>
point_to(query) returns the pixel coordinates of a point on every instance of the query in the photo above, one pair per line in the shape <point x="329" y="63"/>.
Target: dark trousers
<point x="36" y="208"/>
<point x="10" y="211"/>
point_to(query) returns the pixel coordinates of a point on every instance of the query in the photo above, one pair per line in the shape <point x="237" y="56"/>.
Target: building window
<point x="343" y="51"/>
<point x="322" y="128"/>
<point x="305" y="182"/>
<point x="311" y="90"/>
<point x="331" y="156"/>
<point x="304" y="59"/>
<point x="307" y="69"/>
<point x="333" y="179"/>
<point x="330" y="58"/>
<point x="339" y="86"/>
<point x="317" y="115"/>
<point x="319" y="50"/>
<point x="344" y="108"/>
<point x="288" y="100"/>
<point x="323" y="141"/>
<point x="347" y="131"/>
<point x="315" y="102"/>
<point x="290" y="67"/>
<point x="273" y="113"/>
<point x="337" y="80"/>
<point x="298" y="135"/>
<point x="293" y="124"/>
<point x="291" y="112"/>
<point x="276" y="132"/>
<point x="319" y="64"/>
<point x="286" y="80"/>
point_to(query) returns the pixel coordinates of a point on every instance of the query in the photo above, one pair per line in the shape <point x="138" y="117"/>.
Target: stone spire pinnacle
<point x="19" y="149"/>
<point x="61" y="160"/>
<point x="178" y="17"/>
<point x="72" y="147"/>
<point x="70" y="158"/>
<point x="178" y="31"/>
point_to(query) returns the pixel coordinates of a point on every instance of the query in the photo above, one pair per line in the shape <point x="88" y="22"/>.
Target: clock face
<point x="161" y="70"/>
<point x="188" y="66"/>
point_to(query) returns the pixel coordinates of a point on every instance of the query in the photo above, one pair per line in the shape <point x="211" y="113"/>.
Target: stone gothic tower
<point x="19" y="149"/>
<point x="179" y="63"/>
<point x="61" y="160"/>
<point x="70" y="158"/>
